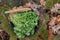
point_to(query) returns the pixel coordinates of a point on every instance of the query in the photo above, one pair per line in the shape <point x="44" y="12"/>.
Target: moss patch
<point x="5" y="23"/>
<point x="50" y="3"/>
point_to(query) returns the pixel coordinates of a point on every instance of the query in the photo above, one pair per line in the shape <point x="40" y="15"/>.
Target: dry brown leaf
<point x="55" y="7"/>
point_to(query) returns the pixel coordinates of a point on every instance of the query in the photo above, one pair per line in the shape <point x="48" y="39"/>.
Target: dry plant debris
<point x="55" y="8"/>
<point x="4" y="35"/>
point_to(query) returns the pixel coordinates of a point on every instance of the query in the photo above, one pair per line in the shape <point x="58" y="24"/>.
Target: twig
<point x="50" y="35"/>
<point x="20" y="9"/>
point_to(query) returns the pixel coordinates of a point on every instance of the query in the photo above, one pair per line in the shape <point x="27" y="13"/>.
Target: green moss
<point x="25" y="23"/>
<point x="50" y="3"/>
<point x="5" y="23"/>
